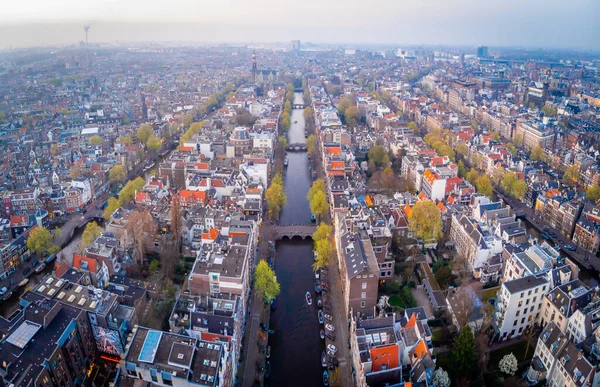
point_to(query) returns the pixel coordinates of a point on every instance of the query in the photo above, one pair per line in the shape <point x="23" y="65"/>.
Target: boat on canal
<point x="319" y="301"/>
<point x="40" y="267"/>
<point x="268" y="370"/>
<point x="317" y="287"/>
<point x="308" y="298"/>
<point x="313" y="218"/>
<point x="286" y="161"/>
<point x="24" y="282"/>
<point x="325" y="378"/>
<point x="322" y="334"/>
<point x="314" y="255"/>
<point x="320" y="315"/>
<point x="268" y="351"/>
<point x="50" y="258"/>
<point x="323" y="359"/>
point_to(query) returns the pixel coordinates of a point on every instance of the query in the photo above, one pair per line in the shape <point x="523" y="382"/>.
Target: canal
<point x="296" y="346"/>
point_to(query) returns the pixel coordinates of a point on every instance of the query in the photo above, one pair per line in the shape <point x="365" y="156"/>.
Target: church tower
<point x="254" y="66"/>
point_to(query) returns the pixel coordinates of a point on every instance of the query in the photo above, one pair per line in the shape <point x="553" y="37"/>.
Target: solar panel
<point x="23" y="334"/>
<point x="150" y="346"/>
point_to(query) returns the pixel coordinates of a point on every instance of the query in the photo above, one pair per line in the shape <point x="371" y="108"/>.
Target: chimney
<point x="579" y="355"/>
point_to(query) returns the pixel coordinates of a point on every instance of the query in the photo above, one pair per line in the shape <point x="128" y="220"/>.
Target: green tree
<point x="127" y="193"/>
<point x="472" y="176"/>
<point x="462" y="356"/>
<point x="40" y="243"/>
<point x="352" y="115"/>
<point x="276" y="199"/>
<point x="144" y="133"/>
<point x="287" y="106"/>
<point x="593" y="193"/>
<point x="117" y="174"/>
<point x="308" y="113"/>
<point x="462" y="170"/>
<point x="518" y="140"/>
<point x="425" y="221"/>
<point x="125" y="140"/>
<point x="324" y="250"/>
<point x="549" y="111"/>
<point x="318" y="204"/>
<point x="311" y="145"/>
<point x="154" y="266"/>
<point x="537" y="153"/>
<point x="317" y="185"/>
<point x="484" y="185"/>
<point x="112" y="205"/>
<point x="95" y="140"/>
<point x="496" y="136"/>
<point x="571" y="174"/>
<point x="462" y="149"/>
<point x="277" y="179"/>
<point x="187" y="120"/>
<point x="90" y="233"/>
<point x="513" y="186"/>
<point x="474" y="125"/>
<point x="322" y="232"/>
<point x="265" y="281"/>
<point x="153" y="143"/>
<point x="445" y="150"/>
<point x="283" y="143"/>
<point x="510" y="146"/>
<point x="379" y="155"/>
<point x="413" y="126"/>
<point x="444" y="276"/>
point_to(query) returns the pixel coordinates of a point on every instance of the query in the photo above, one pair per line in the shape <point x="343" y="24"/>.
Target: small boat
<point x="271" y="332"/>
<point x="545" y="236"/>
<point x="317" y="274"/>
<point x="314" y="255"/>
<point x="320" y="315"/>
<point x="274" y="304"/>
<point x="328" y="316"/>
<point x="268" y="351"/>
<point x="268" y="370"/>
<point x="329" y="327"/>
<point x="325" y="378"/>
<point x="322" y="334"/>
<point x="313" y="218"/>
<point x="40" y="267"/>
<point x="286" y="161"/>
<point x="319" y="301"/>
<point x="323" y="359"/>
<point x="309" y="168"/>
<point x="295" y="122"/>
<point x="308" y="298"/>
<point x="24" y="282"/>
<point x="317" y="287"/>
<point x="7" y="296"/>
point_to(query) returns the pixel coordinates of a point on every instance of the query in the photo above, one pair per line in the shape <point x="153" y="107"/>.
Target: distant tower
<point x="254" y="66"/>
<point x="86" y="29"/>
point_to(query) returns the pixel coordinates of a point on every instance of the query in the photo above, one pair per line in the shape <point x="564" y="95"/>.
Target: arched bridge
<point x="298" y="106"/>
<point x="294" y="231"/>
<point x="297" y="147"/>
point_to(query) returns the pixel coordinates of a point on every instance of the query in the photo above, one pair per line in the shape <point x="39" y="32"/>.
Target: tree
<point x="462" y="149"/>
<point x="513" y="186"/>
<point x="54" y="149"/>
<point x="324" y="250"/>
<point x="472" y="176"/>
<point x="265" y="281"/>
<point x="90" y="233"/>
<point x="537" y="153"/>
<point x="311" y="145"/>
<point x="379" y="156"/>
<point x="112" y="205"/>
<point x="484" y="185"/>
<point x="462" y="170"/>
<point x="140" y="226"/>
<point x="593" y="193"/>
<point x="322" y="232"/>
<point x="176" y="220"/>
<point x="462" y="356"/>
<point x="153" y="143"/>
<point x="318" y="204"/>
<point x="116" y="174"/>
<point x="308" y="113"/>
<point x="413" y="126"/>
<point x="40" y="243"/>
<point x="144" y="133"/>
<point x="441" y="378"/>
<point x="276" y="199"/>
<point x="317" y="185"/>
<point x="571" y="174"/>
<point x="277" y="179"/>
<point x="549" y="111"/>
<point x="445" y="150"/>
<point x="282" y="141"/>
<point x="187" y="120"/>
<point x="509" y="364"/>
<point x="518" y="140"/>
<point x="510" y="146"/>
<point x="76" y="170"/>
<point x="127" y="193"/>
<point x="426" y="221"/>
<point x="126" y="140"/>
<point x="95" y="140"/>
<point x="389" y="180"/>
<point x="444" y="276"/>
<point x="474" y="125"/>
<point x="352" y="115"/>
<point x="57" y="232"/>
<point x="154" y="266"/>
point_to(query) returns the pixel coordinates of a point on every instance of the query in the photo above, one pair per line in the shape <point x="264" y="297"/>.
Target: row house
<point x="587" y="229"/>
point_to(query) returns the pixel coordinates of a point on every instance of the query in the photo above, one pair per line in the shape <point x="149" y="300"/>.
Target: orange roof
<point x="430" y="176"/>
<point x="335" y="173"/>
<point x="214" y="337"/>
<point x="187" y="149"/>
<point x="412" y="321"/>
<point x="19" y="220"/>
<point x="141" y="196"/>
<point x="212" y="234"/>
<point x="368" y="201"/>
<point x="385" y="357"/>
<point x="60" y="269"/>
<point x="441" y="206"/>
<point x="418" y="352"/>
<point x="237" y="233"/>
<point x="337" y="165"/>
<point x="203" y="166"/>
<point x="334" y="150"/>
<point x="79" y="259"/>
<point x="450" y="199"/>
<point x="552" y="192"/>
<point x="422" y="196"/>
<point x="407" y="211"/>
<point x="192" y="196"/>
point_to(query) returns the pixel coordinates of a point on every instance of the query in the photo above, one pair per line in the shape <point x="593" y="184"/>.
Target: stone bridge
<point x="297" y="147"/>
<point x="294" y="231"/>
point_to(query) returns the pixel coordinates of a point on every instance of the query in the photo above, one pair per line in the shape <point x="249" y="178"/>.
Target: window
<point x="514" y="323"/>
<point x="536" y="290"/>
<point x="362" y="304"/>
<point x="364" y="285"/>
<point x="529" y="293"/>
<point x="363" y="295"/>
<point x="524" y="310"/>
<point x="522" y="295"/>
<point x="544" y="288"/>
<point x="523" y="320"/>
<point x="520" y="304"/>
<point x="520" y="330"/>
<point x="527" y="302"/>
<point x="534" y="298"/>
<point x="518" y="313"/>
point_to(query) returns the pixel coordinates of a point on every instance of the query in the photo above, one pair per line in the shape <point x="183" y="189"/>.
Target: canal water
<point x="296" y="346"/>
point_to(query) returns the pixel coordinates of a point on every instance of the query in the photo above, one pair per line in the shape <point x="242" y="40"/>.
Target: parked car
<point x="3" y="290"/>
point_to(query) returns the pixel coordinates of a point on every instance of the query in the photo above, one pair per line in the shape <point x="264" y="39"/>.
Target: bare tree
<point x="140" y="226"/>
<point x="169" y="257"/>
<point x="531" y="335"/>
<point x="176" y="221"/>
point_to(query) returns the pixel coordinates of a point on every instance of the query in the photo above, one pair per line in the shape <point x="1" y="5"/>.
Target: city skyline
<point x="465" y="23"/>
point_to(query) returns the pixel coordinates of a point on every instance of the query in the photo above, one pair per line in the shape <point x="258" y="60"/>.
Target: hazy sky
<point x="538" y="23"/>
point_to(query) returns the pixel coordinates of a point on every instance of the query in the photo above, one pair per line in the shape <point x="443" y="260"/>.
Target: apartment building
<point x="472" y="242"/>
<point x="535" y="133"/>
<point x="563" y="300"/>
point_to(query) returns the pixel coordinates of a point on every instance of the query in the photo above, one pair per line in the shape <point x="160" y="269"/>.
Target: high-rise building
<point x="482" y="52"/>
<point x="254" y="66"/>
<point x="295" y="45"/>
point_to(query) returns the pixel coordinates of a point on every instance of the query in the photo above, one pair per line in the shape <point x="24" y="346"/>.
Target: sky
<point x="523" y="23"/>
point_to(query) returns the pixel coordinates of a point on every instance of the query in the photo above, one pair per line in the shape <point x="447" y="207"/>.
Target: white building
<point x="85" y="186"/>
<point x="262" y="141"/>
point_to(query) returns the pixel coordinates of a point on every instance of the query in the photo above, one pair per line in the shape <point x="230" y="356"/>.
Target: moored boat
<point x="317" y="287"/>
<point x="40" y="267"/>
<point x="322" y="334"/>
<point x="325" y="378"/>
<point x="313" y="218"/>
<point x="269" y="350"/>
<point x="320" y="315"/>
<point x="268" y="370"/>
<point x="50" y="258"/>
<point x="286" y="161"/>
<point x="308" y="298"/>
<point x="24" y="282"/>
<point x="319" y="301"/>
<point x="323" y="359"/>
